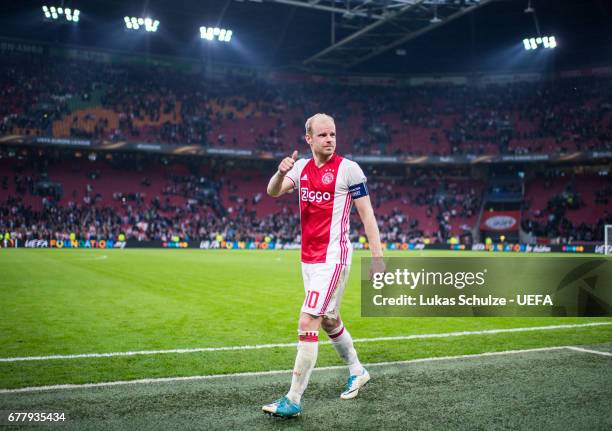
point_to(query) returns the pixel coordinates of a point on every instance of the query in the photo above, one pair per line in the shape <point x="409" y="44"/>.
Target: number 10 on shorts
<point x="311" y="298"/>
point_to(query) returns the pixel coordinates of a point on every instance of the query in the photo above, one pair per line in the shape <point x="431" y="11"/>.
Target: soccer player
<point x="328" y="184"/>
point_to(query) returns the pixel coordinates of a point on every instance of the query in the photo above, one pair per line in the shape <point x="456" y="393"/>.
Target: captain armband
<point x="358" y="190"/>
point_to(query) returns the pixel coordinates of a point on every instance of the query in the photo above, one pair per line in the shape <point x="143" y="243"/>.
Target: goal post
<point x="607" y="239"/>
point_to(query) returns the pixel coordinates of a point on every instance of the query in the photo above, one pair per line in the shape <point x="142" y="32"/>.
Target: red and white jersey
<point x="326" y="195"/>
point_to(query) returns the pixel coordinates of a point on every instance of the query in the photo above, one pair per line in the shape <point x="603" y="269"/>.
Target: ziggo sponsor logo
<point x="314" y="196"/>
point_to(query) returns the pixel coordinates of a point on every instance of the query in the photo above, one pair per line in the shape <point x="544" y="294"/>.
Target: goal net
<point x="607" y="239"/>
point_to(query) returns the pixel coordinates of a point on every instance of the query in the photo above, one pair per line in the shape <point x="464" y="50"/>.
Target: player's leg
<point x="318" y="281"/>
<point x="343" y="343"/>
<point x="305" y="360"/>
<point x="334" y="327"/>
<point x="342" y="340"/>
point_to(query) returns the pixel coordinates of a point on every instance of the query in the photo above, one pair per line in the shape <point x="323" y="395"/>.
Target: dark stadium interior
<point x="273" y="34"/>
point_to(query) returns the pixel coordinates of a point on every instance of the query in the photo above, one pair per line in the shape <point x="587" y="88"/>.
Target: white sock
<point x="308" y="347"/>
<point x="343" y="343"/>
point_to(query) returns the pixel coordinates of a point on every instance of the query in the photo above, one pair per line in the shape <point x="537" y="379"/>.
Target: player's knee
<point x="329" y="324"/>
<point x="308" y="322"/>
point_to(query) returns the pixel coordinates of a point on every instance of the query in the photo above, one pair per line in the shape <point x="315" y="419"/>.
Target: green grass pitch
<point x="64" y="302"/>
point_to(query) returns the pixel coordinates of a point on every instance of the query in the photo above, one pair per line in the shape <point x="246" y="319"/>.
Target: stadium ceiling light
<point x="53" y="13"/>
<point x="147" y="24"/>
<point x="527" y="44"/>
<point x="212" y="33"/>
<point x="533" y="43"/>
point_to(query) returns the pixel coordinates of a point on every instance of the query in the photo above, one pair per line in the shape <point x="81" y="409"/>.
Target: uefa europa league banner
<point x="487" y="286"/>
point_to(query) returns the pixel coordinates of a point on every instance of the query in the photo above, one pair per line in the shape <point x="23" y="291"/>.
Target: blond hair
<point x="308" y="125"/>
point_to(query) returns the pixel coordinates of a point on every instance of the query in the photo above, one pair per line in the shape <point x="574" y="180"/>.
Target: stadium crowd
<point x="554" y="222"/>
<point x="203" y="204"/>
<point x="81" y="99"/>
<point x="197" y="219"/>
<point x="211" y="205"/>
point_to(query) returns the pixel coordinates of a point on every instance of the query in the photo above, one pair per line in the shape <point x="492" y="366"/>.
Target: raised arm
<point x="279" y="183"/>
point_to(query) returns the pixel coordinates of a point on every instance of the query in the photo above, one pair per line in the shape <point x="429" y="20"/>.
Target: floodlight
<point x="54" y="13"/>
<point x="533" y="43"/>
<point x="151" y="25"/>
<point x="136" y="23"/>
<point x="210" y="33"/>
<point x="527" y="45"/>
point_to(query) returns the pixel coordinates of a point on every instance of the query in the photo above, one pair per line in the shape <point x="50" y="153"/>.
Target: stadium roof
<point x="348" y="36"/>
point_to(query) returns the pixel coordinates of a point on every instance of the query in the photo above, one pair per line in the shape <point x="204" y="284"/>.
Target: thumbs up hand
<point x="287" y="164"/>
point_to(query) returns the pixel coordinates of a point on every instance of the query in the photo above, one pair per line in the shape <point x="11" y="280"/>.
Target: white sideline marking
<point x="103" y="257"/>
<point x="269" y="346"/>
<point x="597" y="352"/>
<point x="267" y="373"/>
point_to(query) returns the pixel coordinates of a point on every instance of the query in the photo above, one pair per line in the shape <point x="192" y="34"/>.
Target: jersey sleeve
<point x="294" y="173"/>
<point x="356" y="181"/>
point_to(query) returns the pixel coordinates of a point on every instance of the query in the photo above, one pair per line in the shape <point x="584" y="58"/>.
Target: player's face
<point x="323" y="138"/>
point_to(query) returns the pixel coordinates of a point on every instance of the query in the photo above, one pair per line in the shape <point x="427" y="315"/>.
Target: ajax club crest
<point x="328" y="178"/>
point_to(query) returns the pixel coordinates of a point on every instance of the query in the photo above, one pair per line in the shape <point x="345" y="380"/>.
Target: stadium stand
<point x="50" y="193"/>
<point x="156" y="104"/>
<point x="573" y="208"/>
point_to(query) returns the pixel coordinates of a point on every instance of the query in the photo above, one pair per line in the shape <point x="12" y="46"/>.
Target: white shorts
<point x="324" y="285"/>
